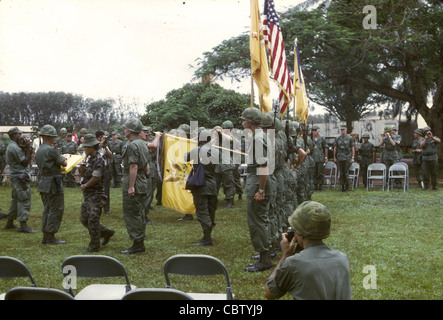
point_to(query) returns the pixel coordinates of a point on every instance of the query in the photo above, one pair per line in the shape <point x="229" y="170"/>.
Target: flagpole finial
<point x="295" y="41"/>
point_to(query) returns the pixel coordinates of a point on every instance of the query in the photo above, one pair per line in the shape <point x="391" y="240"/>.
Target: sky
<point x="135" y="49"/>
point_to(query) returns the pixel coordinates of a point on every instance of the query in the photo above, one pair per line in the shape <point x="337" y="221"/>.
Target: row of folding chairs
<point x="376" y="172"/>
<point x="98" y="266"/>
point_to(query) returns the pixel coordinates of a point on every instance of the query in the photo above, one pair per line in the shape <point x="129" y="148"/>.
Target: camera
<point x="290" y="234"/>
<point x="427" y="132"/>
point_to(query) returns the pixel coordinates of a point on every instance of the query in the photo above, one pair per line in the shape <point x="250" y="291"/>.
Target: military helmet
<point x="365" y="135"/>
<point x="63" y="130"/>
<point x="48" y="130"/>
<point x="427" y="128"/>
<point x="388" y="128"/>
<point x="279" y="126"/>
<point x="251" y="114"/>
<point x="134" y="125"/>
<point x="90" y="140"/>
<point x="227" y="124"/>
<point x="14" y="130"/>
<point x="185" y="127"/>
<point x="267" y="121"/>
<point x="419" y="131"/>
<point x="83" y="131"/>
<point x="312" y="220"/>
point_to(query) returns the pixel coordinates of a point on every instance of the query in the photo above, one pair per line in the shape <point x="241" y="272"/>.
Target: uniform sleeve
<point x="132" y="153"/>
<point x="281" y="282"/>
<point x="97" y="168"/>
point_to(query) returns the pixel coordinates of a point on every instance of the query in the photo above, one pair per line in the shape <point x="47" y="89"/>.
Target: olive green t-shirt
<point x="136" y="152"/>
<point x="48" y="160"/>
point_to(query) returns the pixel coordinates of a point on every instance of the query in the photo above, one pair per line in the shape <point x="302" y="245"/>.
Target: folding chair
<point x="95" y="266"/>
<point x="24" y="293"/>
<point x="156" y="294"/>
<point x="354" y="173"/>
<point x="376" y="171"/>
<point x="407" y="171"/>
<point x="397" y="171"/>
<point x="14" y="268"/>
<point x="330" y="174"/>
<point x="198" y="265"/>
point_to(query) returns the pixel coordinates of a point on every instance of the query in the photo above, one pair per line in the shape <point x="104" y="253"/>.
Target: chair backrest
<point x="397" y="168"/>
<point x="404" y="164"/>
<point x="156" y="294"/>
<point x="377" y="167"/>
<point x="28" y="293"/>
<point x="330" y="165"/>
<point x="196" y="265"/>
<point x="96" y="266"/>
<point x="354" y="165"/>
<point x="14" y="268"/>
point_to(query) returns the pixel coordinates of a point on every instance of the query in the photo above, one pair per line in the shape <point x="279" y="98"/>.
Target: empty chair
<point x="397" y="172"/>
<point x="354" y="172"/>
<point x="198" y="265"/>
<point x="14" y="268"/>
<point x="330" y="174"/>
<point x="407" y="171"/>
<point x="29" y="293"/>
<point x="156" y="294"/>
<point x="95" y="266"/>
<point x="376" y="171"/>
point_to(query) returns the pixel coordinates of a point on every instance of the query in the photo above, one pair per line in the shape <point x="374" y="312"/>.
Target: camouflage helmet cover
<point x="63" y="130"/>
<point x="311" y="220"/>
<point x="134" y="125"/>
<point x="48" y="130"/>
<point x="185" y="127"/>
<point x="227" y="124"/>
<point x="251" y="114"/>
<point x="267" y="121"/>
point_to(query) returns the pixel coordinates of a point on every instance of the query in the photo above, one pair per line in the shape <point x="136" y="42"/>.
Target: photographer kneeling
<point x="317" y="272"/>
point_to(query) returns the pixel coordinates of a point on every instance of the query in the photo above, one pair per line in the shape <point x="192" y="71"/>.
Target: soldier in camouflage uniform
<point x="50" y="185"/>
<point x="135" y="186"/>
<point x="115" y="165"/>
<point x="320" y="156"/>
<point x="367" y="156"/>
<point x="93" y="195"/>
<point x="2" y="159"/>
<point x="18" y="155"/>
<point x="70" y="147"/>
<point x="317" y="272"/>
<point x="417" y="160"/>
<point x="429" y="158"/>
<point x="61" y="141"/>
<point x="344" y="153"/>
<point x="389" y="145"/>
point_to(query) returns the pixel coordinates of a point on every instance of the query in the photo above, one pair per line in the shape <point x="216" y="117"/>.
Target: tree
<point x="209" y="104"/>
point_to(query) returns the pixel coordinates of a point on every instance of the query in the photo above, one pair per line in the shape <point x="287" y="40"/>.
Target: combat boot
<point x="240" y="198"/>
<point x="229" y="203"/>
<point x="51" y="239"/>
<point x="107" y="235"/>
<point x="264" y="263"/>
<point x="10" y="225"/>
<point x="205" y="241"/>
<point x="137" y="247"/>
<point x="24" y="228"/>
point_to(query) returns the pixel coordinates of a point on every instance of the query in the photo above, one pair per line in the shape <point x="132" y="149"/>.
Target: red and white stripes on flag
<point x="274" y="43"/>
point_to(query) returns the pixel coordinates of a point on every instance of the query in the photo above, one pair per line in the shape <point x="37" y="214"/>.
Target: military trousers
<point x="53" y="208"/>
<point x="237" y="180"/>
<point x="258" y="223"/>
<point x="205" y="207"/>
<point x="429" y="171"/>
<point x="343" y="168"/>
<point x="115" y="170"/>
<point x="134" y="215"/>
<point x="418" y="172"/>
<point x="319" y="172"/>
<point x="227" y="181"/>
<point x="91" y="210"/>
<point x="21" y="200"/>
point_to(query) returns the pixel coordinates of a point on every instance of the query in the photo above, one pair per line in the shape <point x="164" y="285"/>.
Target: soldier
<point x="19" y="155"/>
<point x="315" y="272"/>
<point x="70" y="147"/>
<point x="417" y="161"/>
<point x="301" y="168"/>
<point x="135" y="185"/>
<point x="429" y="158"/>
<point x="61" y="141"/>
<point x="344" y="153"/>
<point x="320" y="156"/>
<point x="115" y="165"/>
<point x="257" y="188"/>
<point x="367" y="156"/>
<point x="389" y="144"/>
<point x="107" y="155"/>
<point x="50" y="185"/>
<point x="144" y="136"/>
<point x="205" y="197"/>
<point x="397" y="138"/>
<point x="93" y="195"/>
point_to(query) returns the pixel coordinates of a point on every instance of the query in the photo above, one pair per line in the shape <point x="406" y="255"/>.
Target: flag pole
<point x="252" y="91"/>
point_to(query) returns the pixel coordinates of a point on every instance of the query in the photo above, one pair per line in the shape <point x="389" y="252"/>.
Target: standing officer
<point x="135" y="185"/>
<point x="367" y="156"/>
<point x="70" y="147"/>
<point x="18" y="155"/>
<point x="389" y="144"/>
<point x="343" y="156"/>
<point x="106" y="154"/>
<point x="2" y="158"/>
<point x="257" y="188"/>
<point x="93" y="195"/>
<point x="61" y="141"/>
<point x="417" y="161"/>
<point x="429" y="158"/>
<point x="320" y="156"/>
<point x="50" y="185"/>
<point x="115" y="166"/>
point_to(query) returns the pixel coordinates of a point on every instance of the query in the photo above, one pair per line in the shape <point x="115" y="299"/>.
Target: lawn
<point x="397" y="235"/>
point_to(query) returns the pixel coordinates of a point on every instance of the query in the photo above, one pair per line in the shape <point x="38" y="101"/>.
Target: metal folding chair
<point x="156" y="294"/>
<point x="330" y="174"/>
<point x="14" y="268"/>
<point x="354" y="173"/>
<point x="376" y="171"/>
<point x="396" y="172"/>
<point x="27" y="293"/>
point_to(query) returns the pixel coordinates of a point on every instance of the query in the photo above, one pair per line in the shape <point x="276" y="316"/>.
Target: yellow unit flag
<point x="301" y="98"/>
<point x="175" y="173"/>
<point x="73" y="160"/>
<point x="259" y="60"/>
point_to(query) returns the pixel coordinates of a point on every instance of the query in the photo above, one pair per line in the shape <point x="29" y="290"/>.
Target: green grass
<point x="398" y="233"/>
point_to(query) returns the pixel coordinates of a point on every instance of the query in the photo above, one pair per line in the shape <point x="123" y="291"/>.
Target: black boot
<point x="10" y="225"/>
<point x="264" y="263"/>
<point x="107" y="236"/>
<point x="229" y="203"/>
<point x="51" y="239"/>
<point x="240" y="197"/>
<point x="137" y="247"/>
<point x="24" y="228"/>
<point x="205" y="241"/>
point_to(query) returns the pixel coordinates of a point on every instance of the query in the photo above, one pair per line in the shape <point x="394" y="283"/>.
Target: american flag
<point x="274" y="43"/>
